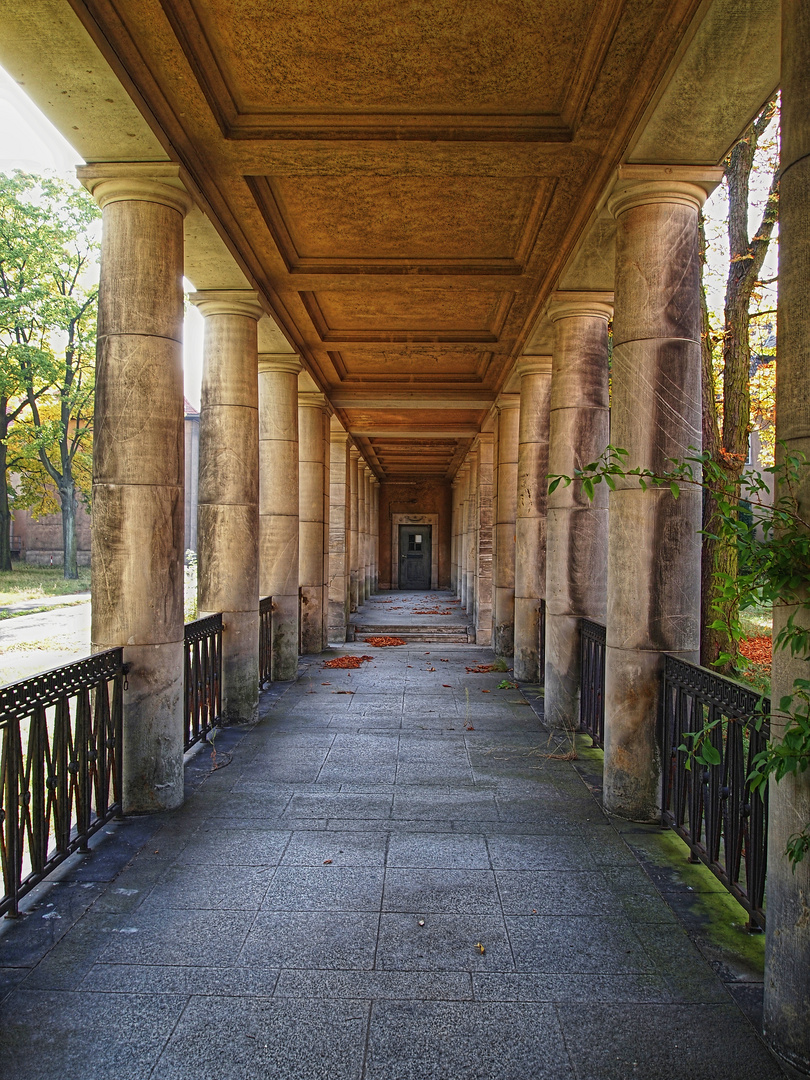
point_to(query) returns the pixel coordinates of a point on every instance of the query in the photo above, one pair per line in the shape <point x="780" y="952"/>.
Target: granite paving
<point x="398" y="873"/>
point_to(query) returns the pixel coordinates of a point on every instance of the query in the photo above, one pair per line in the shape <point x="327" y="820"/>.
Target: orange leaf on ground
<point x="759" y="649"/>
<point x="384" y="641"/>
<point x="346" y="662"/>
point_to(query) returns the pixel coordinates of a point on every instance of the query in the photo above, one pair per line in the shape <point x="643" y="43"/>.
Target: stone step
<point x="456" y="633"/>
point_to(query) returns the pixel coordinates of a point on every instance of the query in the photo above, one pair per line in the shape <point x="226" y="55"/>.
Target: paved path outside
<point x="391" y="879"/>
<point x="42" y="640"/>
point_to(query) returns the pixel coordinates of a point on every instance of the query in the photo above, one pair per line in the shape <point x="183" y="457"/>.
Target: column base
<point x="285" y="638"/>
<point x="153" y="728"/>
<point x="240" y="667"/>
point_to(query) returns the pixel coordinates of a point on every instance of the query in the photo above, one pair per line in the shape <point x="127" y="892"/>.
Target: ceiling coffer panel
<point x="485" y="70"/>
<point x="403" y="224"/>
<point x="420" y="313"/>
<point x="410" y="365"/>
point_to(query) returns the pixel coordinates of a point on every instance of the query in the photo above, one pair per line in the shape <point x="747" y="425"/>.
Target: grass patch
<point x="26" y="582"/>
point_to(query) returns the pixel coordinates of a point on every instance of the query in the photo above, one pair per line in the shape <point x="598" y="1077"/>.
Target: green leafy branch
<point x="773" y="543"/>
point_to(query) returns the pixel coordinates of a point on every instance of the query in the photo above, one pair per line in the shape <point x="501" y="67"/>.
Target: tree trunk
<point x="5" y="511"/>
<point x="729" y="449"/>
<point x="67" y="497"/>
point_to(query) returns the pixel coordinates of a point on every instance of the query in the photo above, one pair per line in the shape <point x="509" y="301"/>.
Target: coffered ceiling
<point x="403" y="182"/>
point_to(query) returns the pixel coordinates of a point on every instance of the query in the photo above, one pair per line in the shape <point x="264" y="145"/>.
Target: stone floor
<point x="392" y="876"/>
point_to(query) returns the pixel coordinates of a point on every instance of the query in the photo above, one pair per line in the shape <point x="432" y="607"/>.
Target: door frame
<point x="415" y="519"/>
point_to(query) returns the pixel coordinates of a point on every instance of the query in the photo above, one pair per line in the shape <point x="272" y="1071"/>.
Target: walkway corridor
<point x="391" y="878"/>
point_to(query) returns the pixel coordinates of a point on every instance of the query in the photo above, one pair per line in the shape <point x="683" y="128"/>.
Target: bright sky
<point x="29" y="141"/>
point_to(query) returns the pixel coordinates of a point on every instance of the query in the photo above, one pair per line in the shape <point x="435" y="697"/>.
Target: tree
<point x="47" y="346"/>
<point x="727" y="416"/>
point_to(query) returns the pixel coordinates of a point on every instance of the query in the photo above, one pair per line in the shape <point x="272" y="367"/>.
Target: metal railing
<point x="202" y="677"/>
<point x="60" y="767"/>
<point x="592" y="681"/>
<point x="265" y="640"/>
<point x="711" y="807"/>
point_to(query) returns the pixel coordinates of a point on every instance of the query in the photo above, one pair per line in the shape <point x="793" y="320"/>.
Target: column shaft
<point x="483" y="553"/>
<point x="504" y="572"/>
<point x="576" y="526"/>
<point x="311" y="485"/>
<point x="787" y="941"/>
<point x="278" y="505"/>
<point x="339" y="532"/>
<point x="138" y="467"/>
<point x="354" y="534"/>
<point x="228" y="507"/>
<point x="472" y="488"/>
<point x="653" y="545"/>
<point x="530" y="529"/>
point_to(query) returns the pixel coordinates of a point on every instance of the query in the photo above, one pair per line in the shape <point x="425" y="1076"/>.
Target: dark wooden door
<point x="414" y="556"/>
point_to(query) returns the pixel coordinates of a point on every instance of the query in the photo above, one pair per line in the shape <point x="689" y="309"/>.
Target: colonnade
<point x="287" y="507"/>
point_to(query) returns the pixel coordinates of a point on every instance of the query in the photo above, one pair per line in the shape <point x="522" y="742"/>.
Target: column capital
<point x="227" y="302"/>
<point x="571" y="305"/>
<point x="507" y="401"/>
<point x="641" y="185"/>
<point x="355" y="453"/>
<point x="337" y="432"/>
<point x="533" y="365"/>
<point x="280" y="362"/>
<point x="311" y="400"/>
<point x="143" y="181"/>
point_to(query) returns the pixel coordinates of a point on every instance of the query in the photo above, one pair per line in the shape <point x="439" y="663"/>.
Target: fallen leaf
<point x="485" y="691"/>
<point x="343" y="691"/>
<point x="384" y="641"/>
<point x="421" y="922"/>
<point x="327" y="862"/>
<point x="469" y="727"/>
<point x="447" y="685"/>
<point x="480" y="947"/>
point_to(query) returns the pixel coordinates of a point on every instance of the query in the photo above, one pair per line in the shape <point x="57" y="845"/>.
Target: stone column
<point x="375" y="533"/>
<point x="138" y="467"/>
<point x="483" y="553"/>
<point x="472" y="490"/>
<point x="530" y="527"/>
<point x="787" y="940"/>
<point x="367" y="555"/>
<point x="454" y="535"/>
<point x="463" y="553"/>
<point x="576" y="527"/>
<point x="653" y="604"/>
<point x="278" y="505"/>
<point x="504" y="570"/>
<point x="312" y="416"/>
<point x="354" y="526"/>
<point x="228" y="507"/>
<point x="327" y="509"/>
<point x="339" y="532"/>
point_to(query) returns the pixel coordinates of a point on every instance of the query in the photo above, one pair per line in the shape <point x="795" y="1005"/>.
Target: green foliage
<point x="47" y="343"/>
<point x="773" y="542"/>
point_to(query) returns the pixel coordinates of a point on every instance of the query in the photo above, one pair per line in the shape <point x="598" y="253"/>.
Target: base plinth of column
<point x="153" y="728"/>
<point x="527" y="639"/>
<point x="240" y="667"/>
<point x="285" y="638"/>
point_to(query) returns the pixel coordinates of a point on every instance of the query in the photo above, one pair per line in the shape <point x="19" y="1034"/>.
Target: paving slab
<point x="404" y="882"/>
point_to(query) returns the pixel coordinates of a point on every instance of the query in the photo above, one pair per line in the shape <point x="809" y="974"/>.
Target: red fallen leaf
<point x="443" y="661"/>
<point x="346" y="662"/>
<point x="384" y="641"/>
<point x="431" y="669"/>
<point x="758" y="650"/>
<point x="447" y="684"/>
<point x="326" y="684"/>
<point x="469" y="727"/>
<point x="327" y="862"/>
<point x="485" y="691"/>
<point x="343" y="691"/>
